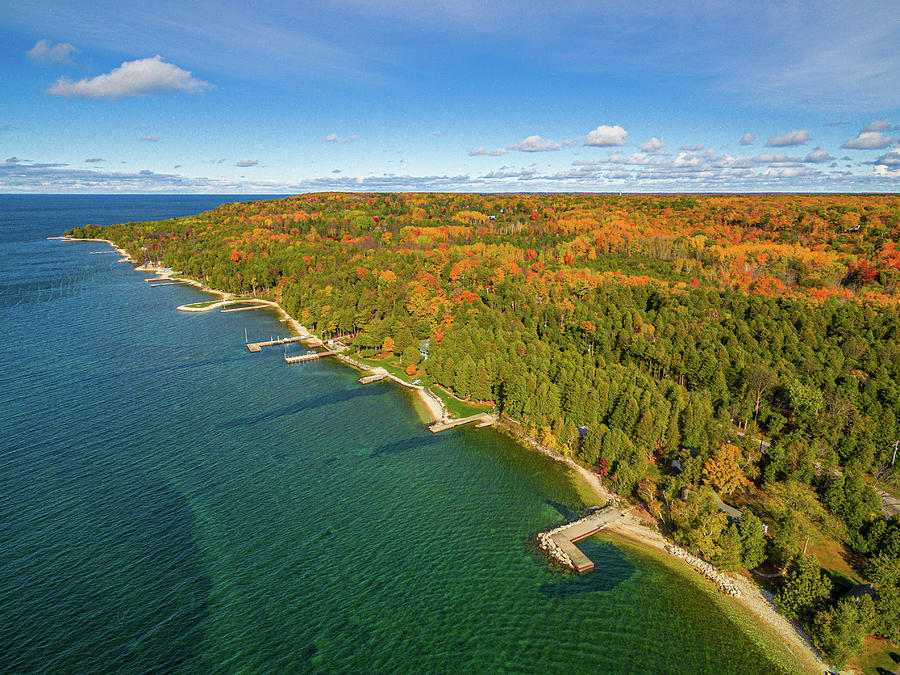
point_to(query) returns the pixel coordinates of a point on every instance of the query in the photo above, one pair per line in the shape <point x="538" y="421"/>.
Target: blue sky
<point x="503" y="96"/>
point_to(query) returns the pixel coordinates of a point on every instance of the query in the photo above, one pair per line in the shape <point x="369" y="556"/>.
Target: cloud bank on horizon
<point x="594" y="104"/>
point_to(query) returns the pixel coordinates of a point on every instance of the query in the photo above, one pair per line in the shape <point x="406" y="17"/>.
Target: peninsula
<point x="681" y="350"/>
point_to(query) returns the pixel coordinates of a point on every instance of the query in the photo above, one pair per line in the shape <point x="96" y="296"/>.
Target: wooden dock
<point x="486" y="419"/>
<point x="243" y="309"/>
<point x="377" y="374"/>
<point x="307" y="357"/>
<point x="256" y="347"/>
<point x="566" y="536"/>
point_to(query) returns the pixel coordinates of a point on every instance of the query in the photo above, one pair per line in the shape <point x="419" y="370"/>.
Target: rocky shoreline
<point x="707" y="570"/>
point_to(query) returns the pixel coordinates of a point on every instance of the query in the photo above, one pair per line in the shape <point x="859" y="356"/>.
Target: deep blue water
<point x="170" y="502"/>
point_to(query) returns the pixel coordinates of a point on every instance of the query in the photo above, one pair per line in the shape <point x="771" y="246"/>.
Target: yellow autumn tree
<point x="723" y="469"/>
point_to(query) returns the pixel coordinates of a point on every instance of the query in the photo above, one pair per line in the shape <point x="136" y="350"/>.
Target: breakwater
<point x="559" y="543"/>
<point x="707" y="570"/>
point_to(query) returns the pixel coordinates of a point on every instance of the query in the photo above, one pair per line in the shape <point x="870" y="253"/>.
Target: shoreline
<point x="755" y="604"/>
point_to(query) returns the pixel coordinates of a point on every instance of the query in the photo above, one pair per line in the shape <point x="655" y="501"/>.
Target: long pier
<point x="377" y="374"/>
<point x="307" y="357"/>
<point x="485" y="419"/>
<point x="256" y="347"/>
<point x="559" y="543"/>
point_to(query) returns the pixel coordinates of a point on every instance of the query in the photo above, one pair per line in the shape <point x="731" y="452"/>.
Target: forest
<point x="740" y="345"/>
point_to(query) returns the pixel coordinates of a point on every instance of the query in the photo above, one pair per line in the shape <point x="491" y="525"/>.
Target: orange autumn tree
<point x="723" y="469"/>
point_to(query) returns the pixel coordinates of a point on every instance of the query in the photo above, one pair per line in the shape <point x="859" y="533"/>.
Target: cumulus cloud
<point x="491" y="153"/>
<point x="818" y="156"/>
<point x="747" y="139"/>
<point x="891" y="158"/>
<point x="871" y="137"/>
<point x="691" y="148"/>
<point x="523" y="174"/>
<point x="133" y="78"/>
<point x="537" y="144"/>
<point x="247" y="162"/>
<point x="93" y="160"/>
<point x="150" y="139"/>
<point x="334" y="138"/>
<point x="637" y="158"/>
<point x="654" y="146"/>
<point x="877" y="125"/>
<point x="46" y="53"/>
<point x="795" y="137"/>
<point x="836" y="124"/>
<point x="605" y="136"/>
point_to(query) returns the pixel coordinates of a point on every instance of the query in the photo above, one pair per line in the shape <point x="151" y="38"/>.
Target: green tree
<point x="839" y="631"/>
<point x="753" y="541"/>
<point x="804" y="590"/>
<point x="698" y="522"/>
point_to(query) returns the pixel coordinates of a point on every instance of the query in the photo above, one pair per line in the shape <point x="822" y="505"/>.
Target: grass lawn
<point x="879" y="656"/>
<point x="456" y="407"/>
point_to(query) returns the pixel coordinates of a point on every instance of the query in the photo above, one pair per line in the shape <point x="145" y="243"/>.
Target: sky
<point x="281" y="97"/>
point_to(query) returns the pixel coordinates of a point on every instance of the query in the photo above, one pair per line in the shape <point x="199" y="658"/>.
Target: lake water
<point x="170" y="502"/>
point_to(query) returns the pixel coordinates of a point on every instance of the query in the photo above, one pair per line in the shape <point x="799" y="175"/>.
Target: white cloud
<point x="491" y="153"/>
<point x="537" y="144"/>
<point x="818" y="156"/>
<point x="795" y="137"/>
<point x="877" y="125"/>
<point x="334" y="138"/>
<point x="46" y="53"/>
<point x="654" y="146"/>
<point x="246" y="162"/>
<point x="151" y="139"/>
<point x="747" y="139"/>
<point x="606" y="136"/>
<point x="882" y="171"/>
<point x="93" y="160"/>
<point x="890" y="158"/>
<point x="870" y="140"/>
<point x="687" y="159"/>
<point x="776" y="160"/>
<point x="133" y="78"/>
<point x="637" y="158"/>
<point x="691" y="148"/>
<point x="524" y="174"/>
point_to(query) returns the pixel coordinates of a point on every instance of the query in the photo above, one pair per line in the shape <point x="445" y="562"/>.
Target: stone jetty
<point x="707" y="570"/>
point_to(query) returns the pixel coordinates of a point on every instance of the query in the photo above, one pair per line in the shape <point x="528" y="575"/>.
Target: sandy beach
<point x="754" y="600"/>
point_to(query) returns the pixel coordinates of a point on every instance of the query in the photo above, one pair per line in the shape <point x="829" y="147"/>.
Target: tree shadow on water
<point x="405" y="445"/>
<point x="566" y="512"/>
<point x="610" y="569"/>
<point x="332" y="398"/>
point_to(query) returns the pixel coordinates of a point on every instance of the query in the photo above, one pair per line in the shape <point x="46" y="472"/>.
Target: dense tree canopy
<point x="677" y="331"/>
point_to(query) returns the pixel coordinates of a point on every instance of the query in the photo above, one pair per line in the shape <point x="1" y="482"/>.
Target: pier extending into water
<point x="484" y="419"/>
<point x="307" y="357"/>
<point x="559" y="543"/>
<point x="256" y="347"/>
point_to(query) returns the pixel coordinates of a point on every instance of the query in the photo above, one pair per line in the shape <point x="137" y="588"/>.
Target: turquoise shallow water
<point x="170" y="502"/>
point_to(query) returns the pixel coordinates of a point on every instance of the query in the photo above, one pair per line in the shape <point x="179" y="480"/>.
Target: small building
<point x="859" y="592"/>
